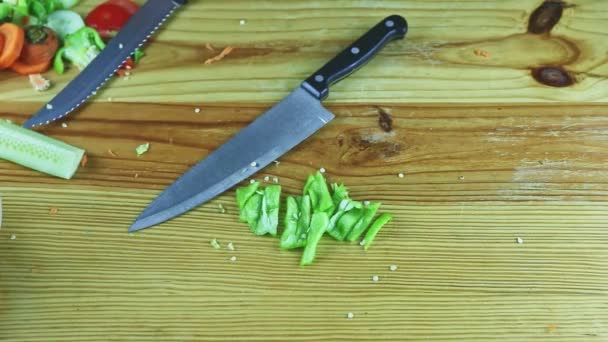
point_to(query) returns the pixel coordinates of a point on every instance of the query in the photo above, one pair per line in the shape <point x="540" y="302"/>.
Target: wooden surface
<point x="490" y="154"/>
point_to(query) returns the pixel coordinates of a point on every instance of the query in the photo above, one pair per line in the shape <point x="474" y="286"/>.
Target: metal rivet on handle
<point x="390" y="23"/>
<point x="355" y="50"/>
<point x="319" y="78"/>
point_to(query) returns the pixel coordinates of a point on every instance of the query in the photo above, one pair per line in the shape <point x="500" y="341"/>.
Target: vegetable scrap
<point x="110" y="152"/>
<point x="230" y="246"/>
<point x="481" y="53"/>
<point x="350" y="315"/>
<point x="222" y="209"/>
<point x="38" y="82"/>
<point x="64" y="124"/>
<point x="519" y="240"/>
<point x="13" y="237"/>
<point x="461" y="177"/>
<point x="38" y="152"/>
<point x="233" y="258"/>
<point x="267" y="178"/>
<point x="225" y="52"/>
<point x="259" y="208"/>
<point x="197" y="110"/>
<point x="310" y="215"/>
<point x="215" y="244"/>
<point x="242" y="22"/>
<point x="392" y="267"/>
<point x="401" y="175"/>
<point x="209" y="47"/>
<point x="141" y="149"/>
<point x="375" y="278"/>
<point x="275" y="179"/>
<point x="53" y="211"/>
<point x="322" y="170"/>
<point x="84" y="161"/>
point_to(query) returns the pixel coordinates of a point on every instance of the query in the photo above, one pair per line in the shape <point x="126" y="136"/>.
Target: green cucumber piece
<point x="64" y="22"/>
<point x="39" y="152"/>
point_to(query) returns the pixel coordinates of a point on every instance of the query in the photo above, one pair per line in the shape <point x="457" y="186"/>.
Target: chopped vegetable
<point x="345" y="223"/>
<point x="30" y="69"/>
<point x="318" y="223"/>
<point x="127" y="5"/>
<point x="369" y="212"/>
<point x="14" y="38"/>
<point x="374" y="229"/>
<point x="269" y="215"/>
<point x="37" y="151"/>
<point x="346" y="205"/>
<point x="215" y="244"/>
<point x="309" y="216"/>
<point x="259" y="208"/>
<point x="297" y="222"/>
<point x="107" y="19"/>
<point x="80" y="47"/>
<point x="38" y="82"/>
<point x="64" y="22"/>
<point x="40" y="45"/>
<point x="316" y="188"/>
<point x="244" y="193"/>
<point x="141" y="149"/>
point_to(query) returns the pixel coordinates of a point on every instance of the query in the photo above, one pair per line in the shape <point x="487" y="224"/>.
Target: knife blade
<point x="133" y="34"/>
<point x="271" y="135"/>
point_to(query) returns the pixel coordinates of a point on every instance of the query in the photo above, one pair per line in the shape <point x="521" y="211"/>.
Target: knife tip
<point x="138" y="225"/>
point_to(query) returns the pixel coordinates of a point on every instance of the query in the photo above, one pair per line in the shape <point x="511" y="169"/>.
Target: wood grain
<point x="490" y="154"/>
<point x="288" y="40"/>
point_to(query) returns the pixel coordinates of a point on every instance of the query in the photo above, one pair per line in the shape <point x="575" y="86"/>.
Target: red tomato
<point x="129" y="5"/>
<point x="107" y="19"/>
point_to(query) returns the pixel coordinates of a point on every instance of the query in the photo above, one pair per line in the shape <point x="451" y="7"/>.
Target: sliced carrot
<point x="23" y="68"/>
<point x="14" y="38"/>
<point x="40" y="45"/>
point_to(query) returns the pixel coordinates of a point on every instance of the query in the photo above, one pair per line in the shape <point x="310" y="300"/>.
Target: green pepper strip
<point x="316" y="188"/>
<point x="318" y="223"/>
<point x="346" y="223"/>
<point x="368" y="215"/>
<point x="374" y="229"/>
<point x="268" y="220"/>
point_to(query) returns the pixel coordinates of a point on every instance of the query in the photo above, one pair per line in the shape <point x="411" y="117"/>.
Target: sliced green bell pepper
<point x="374" y="229"/>
<point x="318" y="223"/>
<point x="316" y="188"/>
<point x="369" y="212"/>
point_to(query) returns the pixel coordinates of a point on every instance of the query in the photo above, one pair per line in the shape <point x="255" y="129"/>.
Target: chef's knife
<point x="132" y="35"/>
<point x="285" y="125"/>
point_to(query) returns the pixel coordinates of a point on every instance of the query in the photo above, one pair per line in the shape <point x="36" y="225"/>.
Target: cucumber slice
<point x="64" y="22"/>
<point x="39" y="152"/>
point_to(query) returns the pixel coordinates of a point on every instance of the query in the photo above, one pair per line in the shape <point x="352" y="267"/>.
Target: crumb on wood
<point x="53" y="211"/>
<point x="215" y="244"/>
<point x="64" y="124"/>
<point x="38" y="82"/>
<point x="136" y="175"/>
<point x="84" y="161"/>
<point x="209" y="47"/>
<point x="551" y="328"/>
<point x="233" y="258"/>
<point x="230" y="246"/>
<point x="224" y="53"/>
<point x="13" y="237"/>
<point x="110" y="152"/>
<point x="481" y="53"/>
<point x="350" y="315"/>
<point x="519" y="240"/>
<point x="375" y="278"/>
<point x="222" y="209"/>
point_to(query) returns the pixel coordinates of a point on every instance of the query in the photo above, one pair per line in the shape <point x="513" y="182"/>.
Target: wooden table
<point x="499" y="123"/>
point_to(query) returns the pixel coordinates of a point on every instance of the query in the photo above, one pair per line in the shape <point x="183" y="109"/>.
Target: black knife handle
<point x="356" y="55"/>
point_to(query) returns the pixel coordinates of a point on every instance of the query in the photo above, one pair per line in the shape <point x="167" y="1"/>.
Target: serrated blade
<point x="274" y="133"/>
<point x="133" y="34"/>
